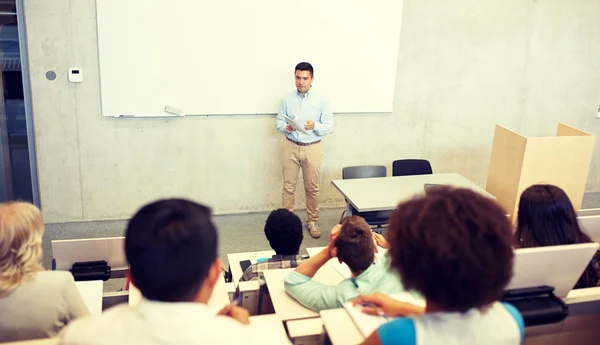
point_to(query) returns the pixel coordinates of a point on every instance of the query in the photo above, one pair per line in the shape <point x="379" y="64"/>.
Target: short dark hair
<point x="170" y="245"/>
<point x="304" y="66"/>
<point x="454" y="247"/>
<point x="283" y="229"/>
<point x="355" y="244"/>
<point x="546" y="217"/>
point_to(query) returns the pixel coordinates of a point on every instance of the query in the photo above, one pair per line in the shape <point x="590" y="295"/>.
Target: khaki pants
<point x="308" y="158"/>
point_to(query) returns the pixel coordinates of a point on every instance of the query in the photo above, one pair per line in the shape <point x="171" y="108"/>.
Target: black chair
<point x="405" y="167"/>
<point x="373" y="218"/>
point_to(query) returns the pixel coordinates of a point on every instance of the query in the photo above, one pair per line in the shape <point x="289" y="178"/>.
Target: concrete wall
<point x="463" y="67"/>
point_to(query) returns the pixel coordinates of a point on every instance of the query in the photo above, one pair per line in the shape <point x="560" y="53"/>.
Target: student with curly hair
<point x="283" y="230"/>
<point x="547" y="218"/>
<point x="33" y="303"/>
<point x="454" y="247"/>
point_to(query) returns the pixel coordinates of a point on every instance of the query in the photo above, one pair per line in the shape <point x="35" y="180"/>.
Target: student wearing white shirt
<point x="171" y="247"/>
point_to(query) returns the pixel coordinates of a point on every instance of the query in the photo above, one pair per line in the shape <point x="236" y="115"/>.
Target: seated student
<point x="454" y="247"/>
<point x="283" y="229"/>
<point x="171" y="247"/>
<point x="33" y="303"/>
<point x="352" y="243"/>
<point x="547" y="218"/>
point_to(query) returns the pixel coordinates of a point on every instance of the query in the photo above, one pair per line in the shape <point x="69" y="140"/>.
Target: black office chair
<point x="405" y="167"/>
<point x="373" y="218"/>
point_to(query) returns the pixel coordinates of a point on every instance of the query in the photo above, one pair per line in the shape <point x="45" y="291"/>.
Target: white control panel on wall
<point x="75" y="75"/>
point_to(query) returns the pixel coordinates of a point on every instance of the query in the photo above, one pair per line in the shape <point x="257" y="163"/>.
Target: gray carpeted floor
<point x="237" y="233"/>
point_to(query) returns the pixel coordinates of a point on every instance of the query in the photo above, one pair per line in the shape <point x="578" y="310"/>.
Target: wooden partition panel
<point x="506" y="162"/>
<point x="518" y="162"/>
<point x="562" y="161"/>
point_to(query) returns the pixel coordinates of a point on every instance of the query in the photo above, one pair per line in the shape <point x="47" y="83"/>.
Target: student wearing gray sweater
<point x="33" y="303"/>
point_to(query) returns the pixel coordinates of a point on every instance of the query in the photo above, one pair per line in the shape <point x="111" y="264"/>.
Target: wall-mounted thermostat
<point x="75" y="75"/>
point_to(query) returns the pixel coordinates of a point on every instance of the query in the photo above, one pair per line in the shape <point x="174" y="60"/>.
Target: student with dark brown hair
<point x="352" y="243"/>
<point x="547" y="218"/>
<point x="453" y="246"/>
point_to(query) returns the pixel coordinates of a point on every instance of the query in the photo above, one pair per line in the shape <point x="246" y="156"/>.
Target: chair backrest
<point x="364" y="171"/>
<point x="404" y="167"/>
<point x="67" y="252"/>
<point x="591" y="226"/>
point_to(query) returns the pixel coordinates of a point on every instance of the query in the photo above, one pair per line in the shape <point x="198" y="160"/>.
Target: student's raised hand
<point x="309" y="125"/>
<point x="238" y="313"/>
<point x="380" y="240"/>
<point x="289" y="128"/>
<point x="378" y="303"/>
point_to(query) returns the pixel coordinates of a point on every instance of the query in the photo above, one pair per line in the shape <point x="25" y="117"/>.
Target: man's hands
<point x="309" y="125"/>
<point x="237" y="313"/>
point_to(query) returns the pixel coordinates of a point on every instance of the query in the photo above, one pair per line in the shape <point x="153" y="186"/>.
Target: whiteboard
<point x="238" y="56"/>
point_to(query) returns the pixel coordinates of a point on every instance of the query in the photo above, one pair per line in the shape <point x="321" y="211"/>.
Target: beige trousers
<point x="309" y="158"/>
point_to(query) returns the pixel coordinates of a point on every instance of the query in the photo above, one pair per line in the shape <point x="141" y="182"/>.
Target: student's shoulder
<point x="401" y="331"/>
<point x="102" y="325"/>
<point x="516" y="316"/>
<point x="55" y="278"/>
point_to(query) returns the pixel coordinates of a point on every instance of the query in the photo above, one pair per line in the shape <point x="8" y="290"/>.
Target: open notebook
<point x="367" y="324"/>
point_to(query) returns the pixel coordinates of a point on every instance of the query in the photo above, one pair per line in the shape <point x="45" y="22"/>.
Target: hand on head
<point x="379" y="240"/>
<point x="335" y="232"/>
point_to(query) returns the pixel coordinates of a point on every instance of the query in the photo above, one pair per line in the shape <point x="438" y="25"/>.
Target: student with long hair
<point x="547" y="218"/>
<point x="33" y="303"/>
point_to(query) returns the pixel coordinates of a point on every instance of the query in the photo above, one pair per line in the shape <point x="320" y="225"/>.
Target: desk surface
<point x="91" y="292"/>
<point x="219" y="297"/>
<point x="384" y="193"/>
<point x="268" y="323"/>
<point x="305" y="327"/>
<point x="340" y="328"/>
<point x="235" y="258"/>
<point x="285" y="306"/>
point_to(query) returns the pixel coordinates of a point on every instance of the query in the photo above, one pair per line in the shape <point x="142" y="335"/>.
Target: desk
<point x="285" y="306"/>
<point x="218" y="299"/>
<point x="340" y="328"/>
<point x="235" y="258"/>
<point x="385" y="193"/>
<point x="268" y="323"/>
<point x="91" y="292"/>
<point x="306" y="331"/>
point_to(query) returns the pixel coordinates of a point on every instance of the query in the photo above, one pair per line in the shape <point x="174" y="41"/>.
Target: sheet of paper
<point x="297" y="123"/>
<point x="367" y="324"/>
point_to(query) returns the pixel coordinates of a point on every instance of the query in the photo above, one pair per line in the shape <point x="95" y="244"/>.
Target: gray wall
<point x="463" y="67"/>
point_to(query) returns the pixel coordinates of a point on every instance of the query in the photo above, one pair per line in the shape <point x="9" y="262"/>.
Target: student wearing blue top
<point x="302" y="147"/>
<point x="454" y="247"/>
<point x="352" y="243"/>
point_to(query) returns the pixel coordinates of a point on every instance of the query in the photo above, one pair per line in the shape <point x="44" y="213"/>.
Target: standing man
<point x="303" y="145"/>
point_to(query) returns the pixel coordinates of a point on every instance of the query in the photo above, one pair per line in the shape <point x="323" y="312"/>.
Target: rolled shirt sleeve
<point x="309" y="293"/>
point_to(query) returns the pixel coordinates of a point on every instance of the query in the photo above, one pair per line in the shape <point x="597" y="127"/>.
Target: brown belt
<point x="303" y="144"/>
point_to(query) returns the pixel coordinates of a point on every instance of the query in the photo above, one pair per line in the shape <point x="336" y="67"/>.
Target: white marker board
<point x="238" y="57"/>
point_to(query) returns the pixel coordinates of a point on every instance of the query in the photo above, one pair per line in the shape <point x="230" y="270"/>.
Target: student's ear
<point x="214" y="272"/>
